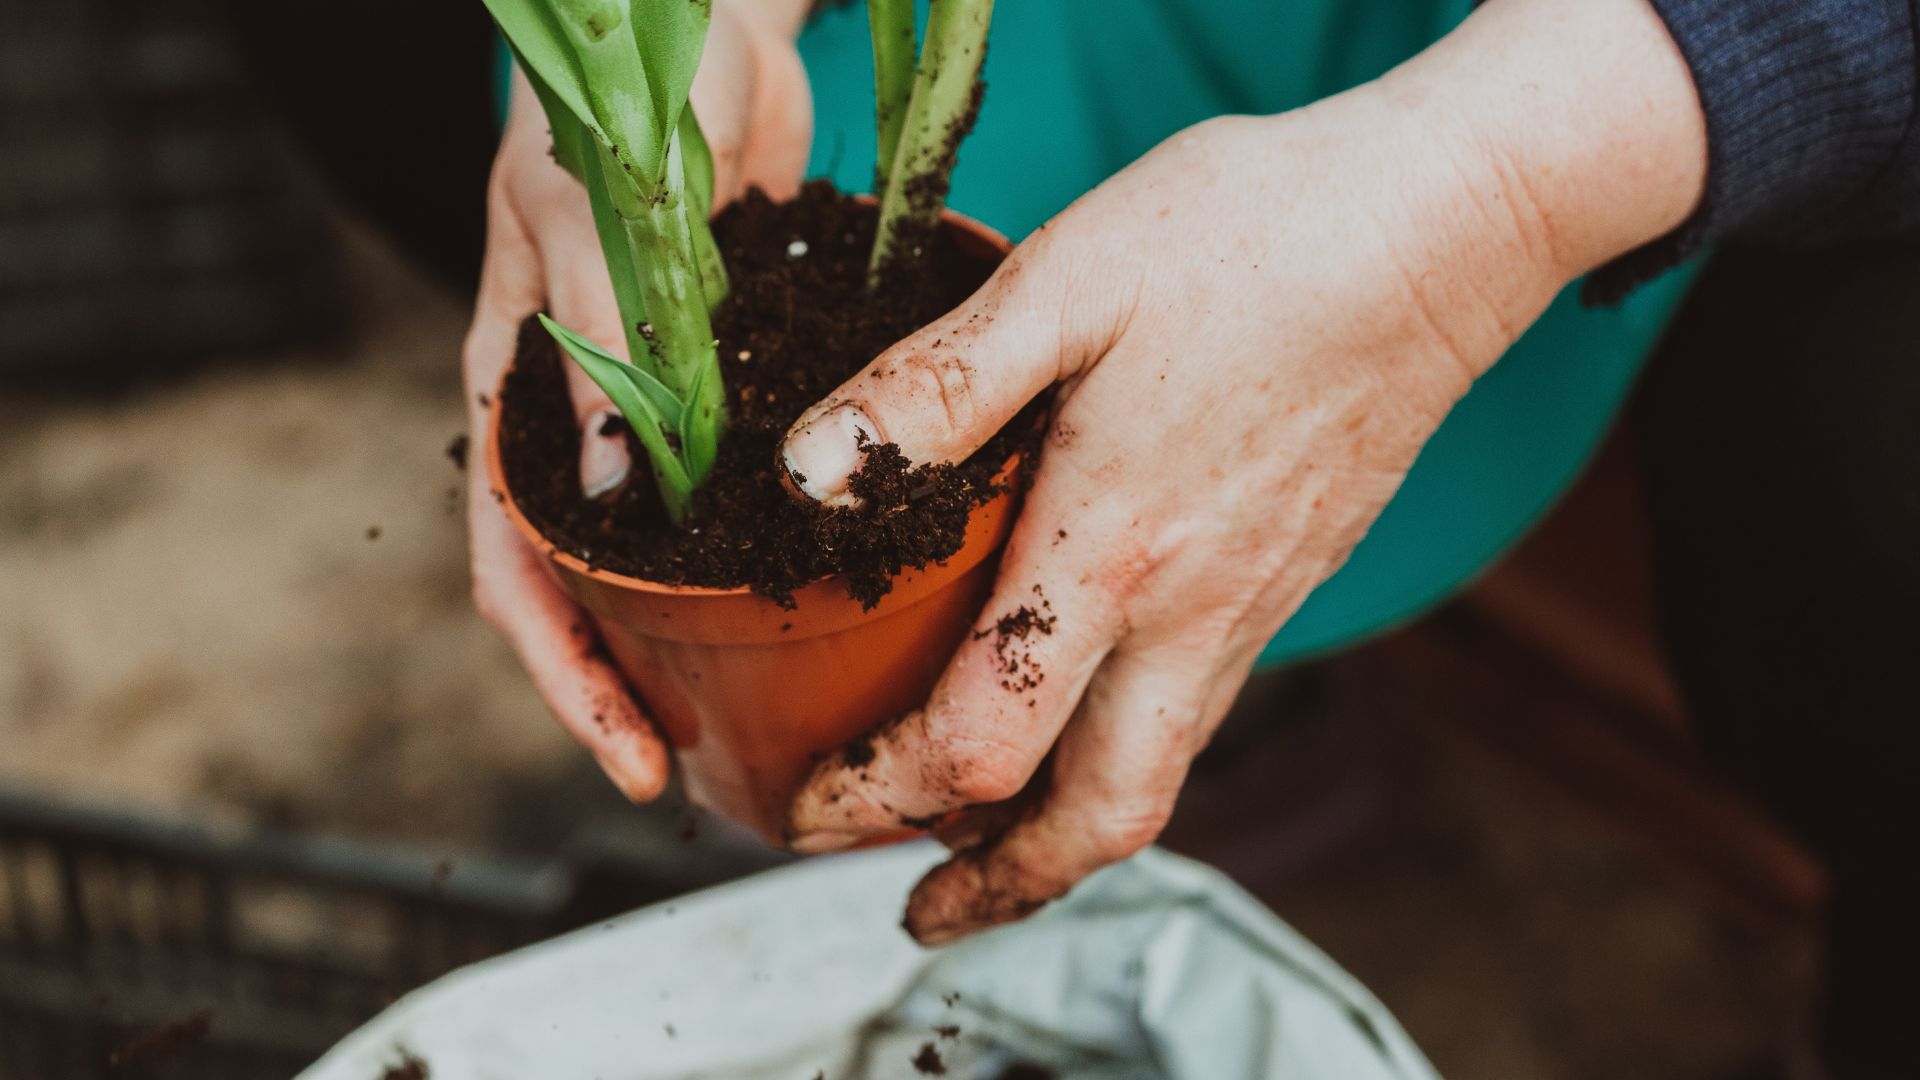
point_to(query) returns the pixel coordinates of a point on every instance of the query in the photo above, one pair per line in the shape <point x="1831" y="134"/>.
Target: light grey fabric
<point x="1157" y="968"/>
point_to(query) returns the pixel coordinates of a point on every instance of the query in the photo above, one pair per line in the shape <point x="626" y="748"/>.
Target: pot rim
<point x="567" y="560"/>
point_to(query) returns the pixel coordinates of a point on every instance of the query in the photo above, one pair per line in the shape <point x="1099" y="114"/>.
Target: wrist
<point x="1576" y="121"/>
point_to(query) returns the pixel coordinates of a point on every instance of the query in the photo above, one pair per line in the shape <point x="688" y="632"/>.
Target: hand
<point x="1252" y="332"/>
<point x="542" y="252"/>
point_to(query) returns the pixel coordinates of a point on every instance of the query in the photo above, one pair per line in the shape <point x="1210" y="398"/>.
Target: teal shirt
<point x="1077" y="89"/>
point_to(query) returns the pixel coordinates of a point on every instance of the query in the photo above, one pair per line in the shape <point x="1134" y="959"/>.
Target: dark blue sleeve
<point x="1811" y="132"/>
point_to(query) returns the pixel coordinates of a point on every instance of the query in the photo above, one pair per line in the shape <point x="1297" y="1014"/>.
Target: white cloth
<point x="1156" y="969"/>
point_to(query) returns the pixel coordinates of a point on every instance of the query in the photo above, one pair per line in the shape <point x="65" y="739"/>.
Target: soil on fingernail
<point x="457" y="451"/>
<point x="804" y="325"/>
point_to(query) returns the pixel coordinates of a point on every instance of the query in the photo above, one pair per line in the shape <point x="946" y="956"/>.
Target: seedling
<point x="613" y="78"/>
<point x="922" y="118"/>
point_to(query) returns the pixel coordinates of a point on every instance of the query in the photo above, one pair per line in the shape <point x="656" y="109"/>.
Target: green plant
<point x="922" y="121"/>
<point x="613" y="78"/>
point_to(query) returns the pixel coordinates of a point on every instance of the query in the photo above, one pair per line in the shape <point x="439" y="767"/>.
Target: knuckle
<point x="977" y="770"/>
<point x="1129" y="830"/>
<point x="949" y="377"/>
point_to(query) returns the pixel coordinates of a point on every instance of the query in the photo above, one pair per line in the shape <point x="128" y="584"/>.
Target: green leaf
<point x="617" y="246"/>
<point x="890" y="24"/>
<point x="670" y="36"/>
<point x="623" y="68"/>
<point x="697" y="157"/>
<point x="661" y="403"/>
<point x="648" y="406"/>
<point x="696" y="163"/>
<point x="699" y="430"/>
<point x="532" y="28"/>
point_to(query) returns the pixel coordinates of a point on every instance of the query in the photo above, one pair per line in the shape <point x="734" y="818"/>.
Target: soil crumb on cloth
<point x="409" y="1067"/>
<point x="928" y="1061"/>
<point x="792" y="329"/>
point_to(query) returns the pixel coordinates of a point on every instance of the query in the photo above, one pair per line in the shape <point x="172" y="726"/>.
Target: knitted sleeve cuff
<point x="1806" y="103"/>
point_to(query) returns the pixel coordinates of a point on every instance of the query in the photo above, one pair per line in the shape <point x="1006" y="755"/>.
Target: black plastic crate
<point x="135" y="948"/>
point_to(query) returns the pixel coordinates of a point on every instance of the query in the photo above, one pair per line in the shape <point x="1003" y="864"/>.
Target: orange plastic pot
<point x="750" y="694"/>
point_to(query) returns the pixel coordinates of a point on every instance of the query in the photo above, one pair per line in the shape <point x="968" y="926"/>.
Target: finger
<point x="944" y="391"/>
<point x="1117" y="772"/>
<point x="1000" y="704"/>
<point x="510" y="586"/>
<point x="975" y="825"/>
<point x="580" y="298"/>
<point x="781" y="136"/>
<point x="563" y="654"/>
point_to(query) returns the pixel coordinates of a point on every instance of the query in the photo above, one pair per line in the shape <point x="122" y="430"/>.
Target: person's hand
<point x="1253" y="331"/>
<point x="542" y="253"/>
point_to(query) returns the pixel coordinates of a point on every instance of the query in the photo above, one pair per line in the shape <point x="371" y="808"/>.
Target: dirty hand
<point x="1252" y="332"/>
<point x="542" y="253"/>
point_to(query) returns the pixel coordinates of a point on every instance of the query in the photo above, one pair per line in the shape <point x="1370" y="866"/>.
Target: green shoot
<point x="612" y="77"/>
<point x="913" y="191"/>
<point x="891" y="24"/>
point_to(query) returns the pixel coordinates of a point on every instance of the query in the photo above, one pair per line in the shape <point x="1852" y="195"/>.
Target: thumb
<point x="580" y="295"/>
<point x="941" y="393"/>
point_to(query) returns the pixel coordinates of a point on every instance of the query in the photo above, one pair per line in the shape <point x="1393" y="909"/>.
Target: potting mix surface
<point x="797" y="322"/>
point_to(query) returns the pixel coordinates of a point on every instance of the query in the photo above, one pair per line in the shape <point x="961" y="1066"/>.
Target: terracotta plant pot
<point x="748" y="693"/>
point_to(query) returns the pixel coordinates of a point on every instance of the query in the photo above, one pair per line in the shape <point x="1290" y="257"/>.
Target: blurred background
<point x="262" y="768"/>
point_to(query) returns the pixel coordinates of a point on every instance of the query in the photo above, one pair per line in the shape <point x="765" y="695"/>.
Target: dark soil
<point x="408" y="1068"/>
<point x="1018" y="670"/>
<point x="792" y="329"/>
<point x="928" y="1062"/>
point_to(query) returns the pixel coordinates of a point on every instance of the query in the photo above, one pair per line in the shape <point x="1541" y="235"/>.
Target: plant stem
<point x="891" y="23"/>
<point x="676" y="343"/>
<point x="938" y="116"/>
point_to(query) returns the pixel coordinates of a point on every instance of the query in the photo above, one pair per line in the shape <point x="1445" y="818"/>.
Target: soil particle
<point x="858" y="752"/>
<point x="409" y="1067"/>
<point x="1010" y="633"/>
<point x="928" y="1061"/>
<point x="373" y="532"/>
<point x="947" y="1031"/>
<point x="457" y="451"/>
<point x="164" y="1042"/>
<point x="804" y="326"/>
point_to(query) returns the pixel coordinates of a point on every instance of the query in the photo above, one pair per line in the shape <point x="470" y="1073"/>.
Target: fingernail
<point x="932" y="937"/>
<point x="820" y="456"/>
<point x="604" y="461"/>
